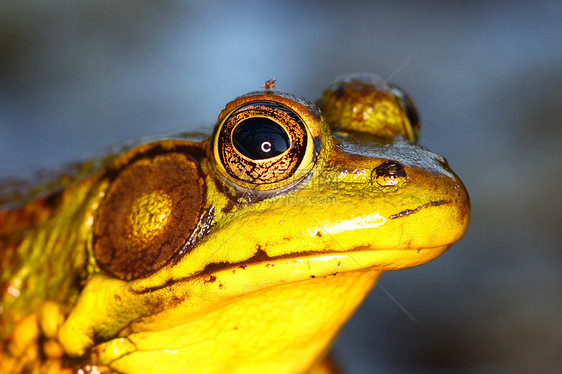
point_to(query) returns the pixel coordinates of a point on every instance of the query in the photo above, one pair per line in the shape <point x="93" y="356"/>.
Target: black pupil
<point x="259" y="138"/>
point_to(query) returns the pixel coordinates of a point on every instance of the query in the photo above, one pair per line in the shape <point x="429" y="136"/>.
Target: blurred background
<point x="77" y="77"/>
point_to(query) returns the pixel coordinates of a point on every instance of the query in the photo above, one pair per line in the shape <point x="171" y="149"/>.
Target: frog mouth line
<point x="407" y="212"/>
<point x="305" y="266"/>
<point x="260" y="257"/>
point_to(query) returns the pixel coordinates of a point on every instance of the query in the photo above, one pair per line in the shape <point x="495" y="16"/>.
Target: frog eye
<point x="263" y="145"/>
<point x="409" y="109"/>
<point x="150" y="211"/>
<point x="366" y="103"/>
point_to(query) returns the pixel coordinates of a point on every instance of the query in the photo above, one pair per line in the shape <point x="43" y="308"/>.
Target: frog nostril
<point x="389" y="173"/>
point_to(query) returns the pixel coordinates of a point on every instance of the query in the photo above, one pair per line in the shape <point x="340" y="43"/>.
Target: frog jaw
<point x="139" y="309"/>
<point x="220" y="298"/>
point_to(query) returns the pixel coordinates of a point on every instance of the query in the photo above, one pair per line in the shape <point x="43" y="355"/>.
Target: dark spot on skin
<point x="339" y="92"/>
<point x="52" y="201"/>
<point x="235" y="327"/>
<point x="220" y="285"/>
<point x="313" y="276"/>
<point x="243" y="267"/>
<point x="339" y="263"/>
<point x="97" y="339"/>
<point x="412" y="211"/>
<point x="318" y="234"/>
<point x="79" y="280"/>
<point x="211" y="279"/>
<point x="176" y="301"/>
<point x="117" y="297"/>
<point x="41" y="340"/>
<point x="154" y="306"/>
<point x="260" y="256"/>
<point x="334" y="274"/>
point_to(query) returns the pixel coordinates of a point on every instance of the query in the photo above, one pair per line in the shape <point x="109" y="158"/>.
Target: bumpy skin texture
<point x="185" y="268"/>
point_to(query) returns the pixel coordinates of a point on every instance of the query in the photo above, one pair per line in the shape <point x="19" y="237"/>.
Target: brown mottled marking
<point x="149" y="213"/>
<point x="211" y="279"/>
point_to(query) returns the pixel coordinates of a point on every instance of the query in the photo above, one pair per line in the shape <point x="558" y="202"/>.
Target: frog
<point x="242" y="251"/>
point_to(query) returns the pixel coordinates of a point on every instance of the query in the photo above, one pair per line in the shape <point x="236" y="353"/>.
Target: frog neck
<point x="288" y="328"/>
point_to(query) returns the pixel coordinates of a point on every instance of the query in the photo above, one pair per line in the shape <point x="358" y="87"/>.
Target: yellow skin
<point x="266" y="273"/>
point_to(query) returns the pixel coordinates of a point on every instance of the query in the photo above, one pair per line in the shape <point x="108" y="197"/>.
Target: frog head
<point x="249" y="250"/>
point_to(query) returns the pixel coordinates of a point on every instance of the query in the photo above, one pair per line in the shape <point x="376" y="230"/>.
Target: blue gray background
<point x="77" y="77"/>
